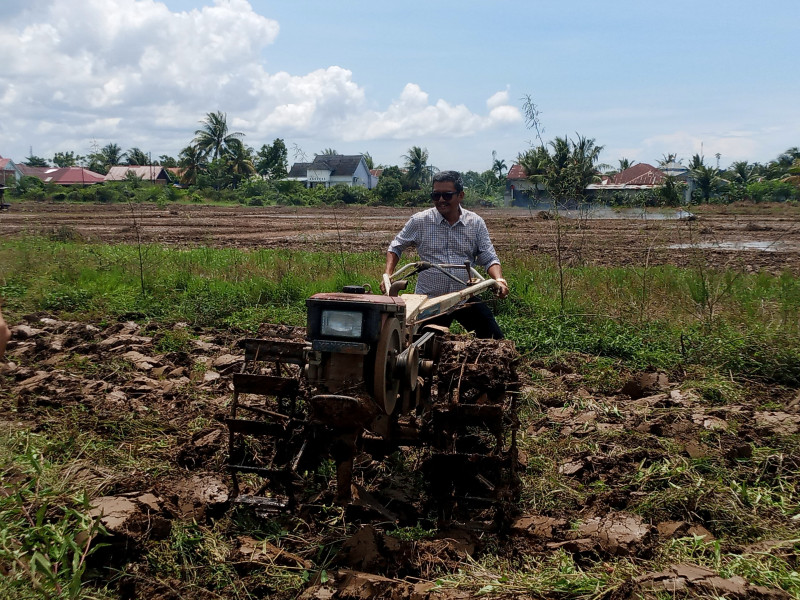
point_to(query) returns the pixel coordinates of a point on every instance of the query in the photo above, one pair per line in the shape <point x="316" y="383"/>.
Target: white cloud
<point x="733" y="145"/>
<point x="125" y="70"/>
<point x="497" y="100"/>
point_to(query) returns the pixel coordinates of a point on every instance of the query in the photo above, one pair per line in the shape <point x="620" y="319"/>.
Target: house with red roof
<point x="63" y="175"/>
<point x="519" y="189"/>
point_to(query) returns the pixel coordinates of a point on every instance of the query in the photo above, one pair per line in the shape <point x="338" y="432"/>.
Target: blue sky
<point x="643" y="79"/>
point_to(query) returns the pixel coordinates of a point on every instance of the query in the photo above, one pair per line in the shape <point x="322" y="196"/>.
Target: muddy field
<point x="655" y="488"/>
<point x="754" y="238"/>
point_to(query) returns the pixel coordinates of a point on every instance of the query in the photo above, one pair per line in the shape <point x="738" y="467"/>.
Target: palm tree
<point x="585" y="154"/>
<point x="240" y="160"/>
<point x="706" y="179"/>
<point x="742" y="172"/>
<point x="192" y="162"/>
<point x="329" y="152"/>
<point x="498" y="166"/>
<point x="368" y="160"/>
<point x="417" y="171"/>
<point x="697" y="161"/>
<point x="624" y="163"/>
<point x="535" y="163"/>
<point x="137" y="157"/>
<point x="214" y="136"/>
<point x="111" y="155"/>
<point x="669" y="158"/>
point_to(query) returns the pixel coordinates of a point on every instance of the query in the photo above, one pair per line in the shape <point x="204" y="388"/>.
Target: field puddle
<point x="768" y="246"/>
<point x="603" y="211"/>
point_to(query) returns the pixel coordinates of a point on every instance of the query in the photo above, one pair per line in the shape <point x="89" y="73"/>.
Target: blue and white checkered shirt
<point x="439" y="242"/>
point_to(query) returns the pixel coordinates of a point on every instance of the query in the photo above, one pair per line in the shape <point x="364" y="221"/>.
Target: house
<point x="9" y="172"/>
<point x="63" y="175"/>
<point x="641" y="177"/>
<point x="151" y="173"/>
<point x="328" y="170"/>
<point x="638" y="177"/>
<point x="519" y="189"/>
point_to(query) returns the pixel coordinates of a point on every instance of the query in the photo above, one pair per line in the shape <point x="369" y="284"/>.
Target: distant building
<point x="519" y="189"/>
<point x="328" y="170"/>
<point x="9" y="172"/>
<point x="151" y="173"/>
<point x="642" y="177"/>
<point x="63" y="175"/>
<point x="635" y="178"/>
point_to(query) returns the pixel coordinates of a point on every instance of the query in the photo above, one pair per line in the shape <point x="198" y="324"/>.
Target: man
<point x="5" y="335"/>
<point x="450" y="234"/>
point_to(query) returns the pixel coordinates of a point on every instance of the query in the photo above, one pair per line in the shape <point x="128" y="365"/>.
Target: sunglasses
<point x="439" y="195"/>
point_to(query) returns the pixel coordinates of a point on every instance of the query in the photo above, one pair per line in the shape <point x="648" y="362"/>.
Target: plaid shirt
<point x="439" y="242"/>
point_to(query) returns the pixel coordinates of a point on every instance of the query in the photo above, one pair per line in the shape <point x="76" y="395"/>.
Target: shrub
<point x="772" y="191"/>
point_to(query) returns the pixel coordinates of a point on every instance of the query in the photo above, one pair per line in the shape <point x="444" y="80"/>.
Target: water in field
<point x="603" y="211"/>
<point x="768" y="246"/>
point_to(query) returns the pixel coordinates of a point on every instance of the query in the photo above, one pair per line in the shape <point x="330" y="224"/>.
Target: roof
<point x="340" y="165"/>
<point x="63" y="175"/>
<point x="641" y="174"/>
<point x="516" y="172"/>
<point x="6" y="164"/>
<point x="299" y="169"/>
<point x="146" y="172"/>
<point x="376" y="172"/>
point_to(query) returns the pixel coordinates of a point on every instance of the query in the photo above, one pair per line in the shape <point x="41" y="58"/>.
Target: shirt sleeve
<point x="406" y="237"/>
<point x="486" y="256"/>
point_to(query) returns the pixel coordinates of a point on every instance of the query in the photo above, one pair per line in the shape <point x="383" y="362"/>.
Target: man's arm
<point x="391" y="263"/>
<point x="406" y="237"/>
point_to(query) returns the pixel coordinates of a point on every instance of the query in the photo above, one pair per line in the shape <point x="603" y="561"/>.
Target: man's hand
<point x="503" y="290"/>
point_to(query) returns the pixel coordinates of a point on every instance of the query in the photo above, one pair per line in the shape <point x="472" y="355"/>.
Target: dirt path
<point x="753" y="238"/>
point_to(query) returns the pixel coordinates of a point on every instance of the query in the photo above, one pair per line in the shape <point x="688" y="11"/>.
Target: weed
<point x="172" y="340"/>
<point x="47" y="536"/>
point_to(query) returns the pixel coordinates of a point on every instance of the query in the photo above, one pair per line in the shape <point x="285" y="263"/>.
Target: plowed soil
<point x="757" y="237"/>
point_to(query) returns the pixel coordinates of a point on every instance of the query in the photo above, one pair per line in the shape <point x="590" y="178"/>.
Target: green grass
<point x="46" y="533"/>
<point x="728" y="322"/>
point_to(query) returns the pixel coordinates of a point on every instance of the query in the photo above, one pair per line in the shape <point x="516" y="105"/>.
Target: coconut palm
<point x="498" y="166"/>
<point x="368" y="160"/>
<point x="535" y="163"/>
<point x="137" y="157"/>
<point x="192" y="161"/>
<point x="213" y="137"/>
<point x="111" y="155"/>
<point x="329" y="152"/>
<point x="418" y="173"/>
<point x="624" y="163"/>
<point x="240" y="161"/>
<point x="706" y="179"/>
<point x="742" y="172"/>
<point x="669" y="158"/>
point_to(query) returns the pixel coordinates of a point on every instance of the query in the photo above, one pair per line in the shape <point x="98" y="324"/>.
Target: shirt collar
<point x="462" y="214"/>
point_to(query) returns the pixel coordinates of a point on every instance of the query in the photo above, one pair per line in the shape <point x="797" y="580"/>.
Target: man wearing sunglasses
<point x="450" y="234"/>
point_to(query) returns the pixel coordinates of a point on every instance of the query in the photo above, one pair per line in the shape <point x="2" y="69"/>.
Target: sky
<point x="643" y="79"/>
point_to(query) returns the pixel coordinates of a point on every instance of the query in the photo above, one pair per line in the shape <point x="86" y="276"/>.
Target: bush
<point x="772" y="191"/>
<point x="389" y="190"/>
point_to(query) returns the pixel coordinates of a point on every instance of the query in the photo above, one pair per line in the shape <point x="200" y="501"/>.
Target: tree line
<point x="218" y="164"/>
